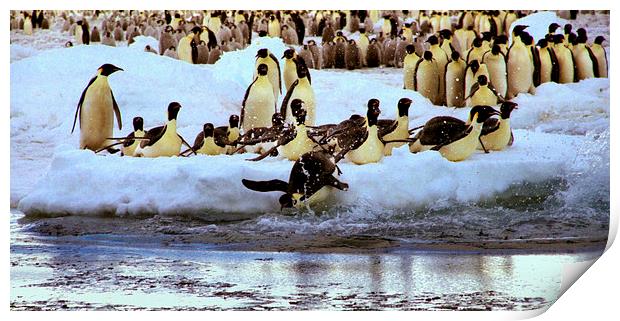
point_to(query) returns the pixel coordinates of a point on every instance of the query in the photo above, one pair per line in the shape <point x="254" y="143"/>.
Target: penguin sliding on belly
<point x="496" y="133"/>
<point x="310" y="181"/>
<point x="131" y="141"/>
<point x="263" y="135"/>
<point x="96" y="110"/>
<point x="205" y="142"/>
<point x="454" y="139"/>
<point x="362" y="145"/>
<point x="163" y="140"/>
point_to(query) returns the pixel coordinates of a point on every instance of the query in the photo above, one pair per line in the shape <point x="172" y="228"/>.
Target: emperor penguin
<point x="263" y="56"/>
<point x="274" y="27"/>
<point x="401" y="52"/>
<point x="586" y="65"/>
<point x="27" y="24"/>
<point x="374" y="54"/>
<point x="389" y="51"/>
<point x="79" y="33"/>
<point x="453" y="138"/>
<point x="476" y="51"/>
<point x="205" y="143"/>
<point x="214" y="55"/>
<point x="171" y="52"/>
<point x="455" y="81"/>
<point x="298" y="142"/>
<point x="300" y="89"/>
<point x="502" y="42"/>
<point x="446" y="44"/>
<point x="130" y="144"/>
<point x="442" y="60"/>
<point x="307" y="56"/>
<point x="482" y="93"/>
<point x="352" y="57"/>
<point x="317" y="55"/>
<point x="496" y="64"/>
<point x="363" y="145"/>
<point x="185" y="50"/>
<point x="94" y="35"/>
<point x="565" y="59"/>
<point x="601" y="56"/>
<point x="108" y="40"/>
<point x="472" y="72"/>
<point x="339" y="53"/>
<point x="259" y="102"/>
<point x="310" y="182"/>
<point x="409" y="64"/>
<point x="426" y="80"/>
<point x="328" y="55"/>
<point x="162" y="140"/>
<point x="202" y="53"/>
<point x="520" y="67"/>
<point x="96" y="110"/>
<point x="548" y="62"/>
<point x="445" y="23"/>
<point x="229" y="135"/>
<point x="166" y="40"/>
<point x="401" y="130"/>
<point x="290" y="68"/>
<point x="511" y="17"/>
<point x="496" y="133"/>
<point x="363" y="42"/>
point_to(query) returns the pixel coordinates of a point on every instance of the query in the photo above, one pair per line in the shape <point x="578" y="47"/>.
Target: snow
<point x="49" y="175"/>
<point x="538" y="24"/>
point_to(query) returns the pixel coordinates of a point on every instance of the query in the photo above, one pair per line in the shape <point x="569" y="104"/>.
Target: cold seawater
<point x="120" y="272"/>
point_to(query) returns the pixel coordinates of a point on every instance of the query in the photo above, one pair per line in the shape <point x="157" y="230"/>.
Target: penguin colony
<point x="467" y="64"/>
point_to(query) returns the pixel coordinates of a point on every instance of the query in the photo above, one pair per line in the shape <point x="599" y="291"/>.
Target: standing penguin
<point x="472" y="72"/>
<point x="108" y="40"/>
<point x="307" y="56"/>
<point x="300" y="89"/>
<point x="96" y="110"/>
<point x="496" y="133"/>
<point x="565" y="59"/>
<point x="259" y="102"/>
<point x="214" y="55"/>
<point x="374" y="55"/>
<point x="363" y="42"/>
<point x="274" y="27"/>
<point x="27" y="24"/>
<point x="548" y="62"/>
<point x="171" y="52"/>
<point x="455" y="81"/>
<point x="427" y="75"/>
<point x="186" y="51"/>
<point x="409" y="64"/>
<point x="496" y="64"/>
<point x="401" y="52"/>
<point x="352" y="56"/>
<point x="520" y="67"/>
<point x="482" y="93"/>
<point x="290" y="68"/>
<point x="163" y="140"/>
<point x="166" y="40"/>
<point x="586" y="65"/>
<point x="203" y="53"/>
<point x="446" y="41"/>
<point x="85" y="34"/>
<point x="389" y="51"/>
<point x="94" y="35"/>
<point x="263" y="56"/>
<point x="339" y="54"/>
<point x="442" y="60"/>
<point x="130" y="144"/>
<point x="316" y="54"/>
<point x="476" y="51"/>
<point x="328" y="55"/>
<point x="601" y="56"/>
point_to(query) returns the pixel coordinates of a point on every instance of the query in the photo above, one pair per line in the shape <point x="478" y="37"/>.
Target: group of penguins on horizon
<point x="291" y="132"/>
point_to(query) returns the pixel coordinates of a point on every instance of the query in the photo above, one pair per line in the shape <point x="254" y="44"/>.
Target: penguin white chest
<point x="259" y="106"/>
<point x="462" y="148"/>
<point x="185" y="50"/>
<point x="400" y="133"/>
<point x="96" y="115"/>
<point x="290" y="73"/>
<point x="304" y="92"/>
<point x="209" y="147"/>
<point x="497" y="140"/>
<point x="371" y="150"/>
<point x="168" y="145"/>
<point x="483" y="96"/>
<point x="130" y="150"/>
<point x="300" y="145"/>
<point x="520" y="71"/>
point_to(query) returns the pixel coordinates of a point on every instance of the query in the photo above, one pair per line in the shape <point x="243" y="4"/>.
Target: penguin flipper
<point x="152" y="136"/>
<point x="199" y="141"/>
<point x="274" y="185"/>
<point x="271" y="55"/>
<point x="386" y="126"/>
<point x="245" y="98"/>
<point x="334" y="182"/>
<point x="555" y="66"/>
<point x="537" y="66"/>
<point x="117" y="111"/>
<point x="452" y="139"/>
<point x="78" y="110"/>
<point x="575" y="77"/>
<point x="473" y="90"/>
<point x="490" y="126"/>
<point x="289" y="93"/>
<point x="594" y="62"/>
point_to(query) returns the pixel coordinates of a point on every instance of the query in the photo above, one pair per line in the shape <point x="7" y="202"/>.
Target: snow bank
<point x="538" y="24"/>
<point x="201" y="184"/>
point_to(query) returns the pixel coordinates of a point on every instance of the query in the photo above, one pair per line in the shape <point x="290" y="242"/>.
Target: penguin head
<point x="477" y="42"/>
<point x="311" y="43"/>
<point x="542" y="43"/>
<point x="445" y="34"/>
<point x="410" y="49"/>
<point x="196" y="30"/>
<point x="572" y="38"/>
<point x="432" y="40"/>
<point x="172" y="48"/>
<point x="455" y="56"/>
<point x="582" y="32"/>
<point x="168" y="29"/>
<point x="233" y="121"/>
<point x="568" y="28"/>
<point x="138" y="123"/>
<point x="582" y="39"/>
<point x="403" y="106"/>
<point x="289" y="53"/>
<point x="373" y="111"/>
<point x="262" y="53"/>
<point x="262" y="69"/>
<point x="496" y="49"/>
<point x="68" y="44"/>
<point x="599" y="40"/>
<point x="558" y="39"/>
<point x="203" y="43"/>
<point x="516" y="31"/>
<point x="483" y="112"/>
<point x="474" y="65"/>
<point x="108" y="69"/>
<point x="487" y="36"/>
<point x="277" y="120"/>
<point x="553" y="27"/>
<point x="173" y="110"/>
<point x="286" y="201"/>
<point x="482" y="80"/>
<point x="428" y="55"/>
<point x="296" y="106"/>
<point x="506" y="108"/>
<point x="526" y="38"/>
<point x="501" y="39"/>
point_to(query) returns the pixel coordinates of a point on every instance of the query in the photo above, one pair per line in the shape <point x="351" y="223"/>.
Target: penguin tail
<point x="273" y="185"/>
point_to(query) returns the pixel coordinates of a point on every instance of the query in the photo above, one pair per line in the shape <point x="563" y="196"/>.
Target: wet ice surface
<point x="112" y="272"/>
